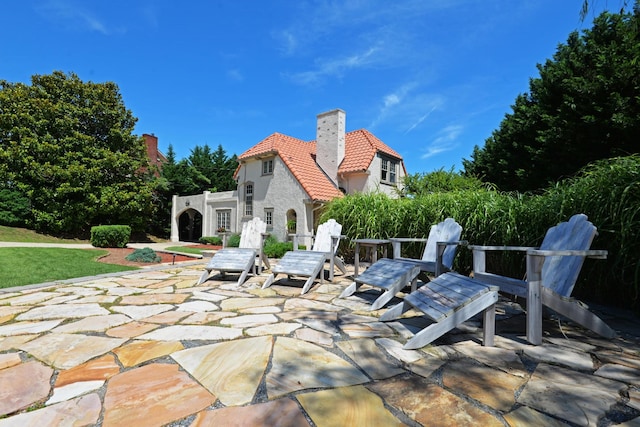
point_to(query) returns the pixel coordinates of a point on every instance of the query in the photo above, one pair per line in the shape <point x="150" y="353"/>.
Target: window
<point x="267" y="167"/>
<point x="388" y="171"/>
<point x="248" y="200"/>
<point x="223" y="222"/>
<point x="268" y="217"/>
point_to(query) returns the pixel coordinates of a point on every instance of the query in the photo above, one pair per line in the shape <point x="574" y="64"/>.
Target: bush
<point x="233" y="241"/>
<point x="277" y="249"/>
<point x="110" y="236"/>
<point x="14" y="208"/>
<point x="144" y="255"/>
<point x="211" y="240"/>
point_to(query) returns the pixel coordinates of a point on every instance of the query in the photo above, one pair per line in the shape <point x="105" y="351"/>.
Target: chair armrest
<point x="592" y="253"/>
<point x="396" y="244"/>
<point x="500" y="248"/>
<point x="296" y="239"/>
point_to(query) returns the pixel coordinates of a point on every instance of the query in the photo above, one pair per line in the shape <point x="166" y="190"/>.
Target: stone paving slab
<point x="150" y="348"/>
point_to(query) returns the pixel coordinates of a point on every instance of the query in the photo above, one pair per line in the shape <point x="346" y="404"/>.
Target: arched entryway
<point x="292" y="221"/>
<point x="190" y="226"/>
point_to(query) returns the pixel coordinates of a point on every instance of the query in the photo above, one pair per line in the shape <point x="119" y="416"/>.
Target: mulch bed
<point x="118" y="256"/>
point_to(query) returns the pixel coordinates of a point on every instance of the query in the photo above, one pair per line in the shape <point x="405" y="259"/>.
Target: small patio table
<point x="371" y="247"/>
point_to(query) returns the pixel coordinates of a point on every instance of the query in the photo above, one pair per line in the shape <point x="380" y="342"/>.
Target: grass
<point x="26" y="266"/>
<point x="14" y="234"/>
<point x="183" y="249"/>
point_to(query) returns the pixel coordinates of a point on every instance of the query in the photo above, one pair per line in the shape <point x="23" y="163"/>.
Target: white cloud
<point x="75" y="17"/>
<point x="334" y="67"/>
<point x="445" y="141"/>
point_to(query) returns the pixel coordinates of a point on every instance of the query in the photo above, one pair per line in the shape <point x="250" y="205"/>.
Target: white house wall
<point x="279" y="191"/>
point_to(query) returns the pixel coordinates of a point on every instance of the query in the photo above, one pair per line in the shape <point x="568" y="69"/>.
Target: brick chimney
<point x="156" y="158"/>
<point x="330" y="141"/>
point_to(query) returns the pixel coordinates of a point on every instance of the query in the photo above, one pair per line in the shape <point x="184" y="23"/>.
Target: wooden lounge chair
<point x="390" y="275"/>
<point x="310" y="263"/>
<point x="242" y="259"/>
<point x="439" y="252"/>
<point x="447" y="301"/>
<point x="552" y="271"/>
<point x="440" y="247"/>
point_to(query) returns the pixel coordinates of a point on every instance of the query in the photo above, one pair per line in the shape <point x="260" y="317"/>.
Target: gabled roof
<point x="361" y="147"/>
<point x="300" y="157"/>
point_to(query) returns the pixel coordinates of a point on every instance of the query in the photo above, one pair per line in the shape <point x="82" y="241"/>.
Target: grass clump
<point x="144" y="255"/>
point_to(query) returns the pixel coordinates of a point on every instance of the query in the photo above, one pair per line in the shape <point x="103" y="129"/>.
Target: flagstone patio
<point x="150" y="348"/>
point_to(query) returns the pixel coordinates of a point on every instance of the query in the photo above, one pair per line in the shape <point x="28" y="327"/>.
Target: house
<point x="156" y="158"/>
<point x="286" y="181"/>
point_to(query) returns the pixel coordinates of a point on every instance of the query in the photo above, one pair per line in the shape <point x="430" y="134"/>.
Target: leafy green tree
<point x="584" y="106"/>
<point x="68" y="147"/>
<point x="420" y="184"/>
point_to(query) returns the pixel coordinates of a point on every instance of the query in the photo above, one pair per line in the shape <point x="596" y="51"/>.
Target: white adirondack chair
<point x="310" y="263"/>
<point x="552" y="271"/>
<point x="242" y="259"/>
<point x="392" y="277"/>
<point x="440" y="247"/>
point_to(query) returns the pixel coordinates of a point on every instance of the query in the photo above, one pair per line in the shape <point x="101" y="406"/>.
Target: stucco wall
<point x="279" y="191"/>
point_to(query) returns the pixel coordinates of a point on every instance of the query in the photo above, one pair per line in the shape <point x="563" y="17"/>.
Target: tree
<point x="203" y="170"/>
<point x="438" y="181"/>
<point x="68" y="147"/>
<point x="584" y="106"/>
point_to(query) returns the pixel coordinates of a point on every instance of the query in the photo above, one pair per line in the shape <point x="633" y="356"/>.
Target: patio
<point x="150" y="348"/>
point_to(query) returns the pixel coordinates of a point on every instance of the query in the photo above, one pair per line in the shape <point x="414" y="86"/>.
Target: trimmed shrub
<point x="144" y="255"/>
<point x="110" y="236"/>
<point x="210" y="240"/>
<point x="233" y="241"/>
<point x="277" y="249"/>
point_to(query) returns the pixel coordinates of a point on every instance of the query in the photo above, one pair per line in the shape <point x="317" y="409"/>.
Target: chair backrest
<point x="251" y="236"/>
<point x="446" y="231"/>
<point x="322" y="241"/>
<point x="559" y="273"/>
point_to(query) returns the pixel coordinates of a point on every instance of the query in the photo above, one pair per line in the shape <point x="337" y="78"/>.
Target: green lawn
<point x="26" y="266"/>
<point x="13" y="234"/>
<point x="184" y="249"/>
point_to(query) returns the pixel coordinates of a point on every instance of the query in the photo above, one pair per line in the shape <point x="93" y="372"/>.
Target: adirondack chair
<point x="310" y="263"/>
<point x="552" y="271"/>
<point x="447" y="301"/>
<point x="243" y="258"/>
<point x="326" y="240"/>
<point x="440" y="247"/>
<point x="392" y="277"/>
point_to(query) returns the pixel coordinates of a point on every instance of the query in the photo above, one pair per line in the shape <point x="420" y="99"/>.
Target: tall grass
<point x="608" y="192"/>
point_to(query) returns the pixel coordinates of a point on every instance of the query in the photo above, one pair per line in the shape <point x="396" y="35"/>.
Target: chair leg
<point x="350" y="290"/>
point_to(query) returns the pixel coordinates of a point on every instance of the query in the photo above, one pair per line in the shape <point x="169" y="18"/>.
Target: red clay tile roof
<point x="361" y="147"/>
<point x="299" y="156"/>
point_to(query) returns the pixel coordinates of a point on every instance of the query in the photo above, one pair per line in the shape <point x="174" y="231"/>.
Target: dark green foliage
<point x="584" y="106"/>
<point x="14" y="208"/>
<point x="277" y="249"/>
<point x="144" y="255"/>
<point x="233" y="241"/>
<point x="110" y="236"/>
<point x="210" y="240"/>
<point x="433" y="182"/>
<point x="68" y="146"/>
<point x="608" y="192"/>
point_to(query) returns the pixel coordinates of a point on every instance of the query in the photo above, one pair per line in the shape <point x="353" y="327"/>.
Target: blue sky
<point x="431" y="79"/>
